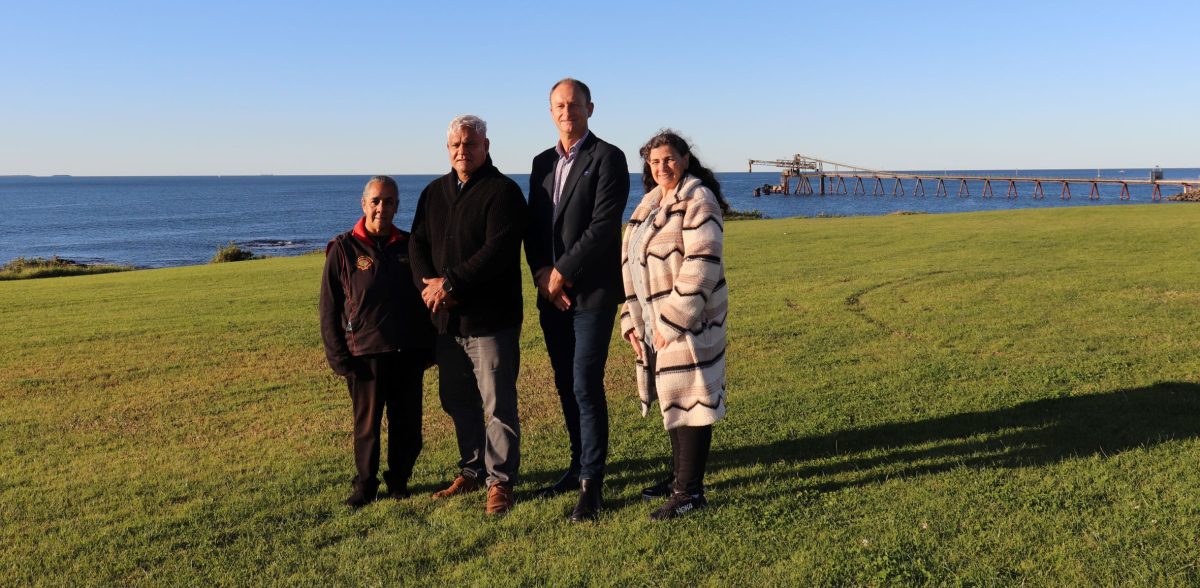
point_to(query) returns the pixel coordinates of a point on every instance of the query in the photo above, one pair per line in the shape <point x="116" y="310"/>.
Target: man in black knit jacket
<point x="465" y="251"/>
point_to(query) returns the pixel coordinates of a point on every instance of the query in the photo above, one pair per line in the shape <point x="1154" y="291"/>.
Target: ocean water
<point x="177" y="220"/>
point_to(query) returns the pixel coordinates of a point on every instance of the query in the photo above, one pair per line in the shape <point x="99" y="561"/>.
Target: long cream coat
<point x="688" y="304"/>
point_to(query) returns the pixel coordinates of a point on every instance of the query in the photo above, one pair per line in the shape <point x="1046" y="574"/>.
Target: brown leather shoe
<point x="460" y="485"/>
<point x="500" y="498"/>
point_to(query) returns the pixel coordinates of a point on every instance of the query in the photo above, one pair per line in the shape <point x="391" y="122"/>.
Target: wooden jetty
<point x="807" y="170"/>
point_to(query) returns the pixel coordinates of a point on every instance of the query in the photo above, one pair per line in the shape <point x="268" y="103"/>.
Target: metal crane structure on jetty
<point x="805" y="170"/>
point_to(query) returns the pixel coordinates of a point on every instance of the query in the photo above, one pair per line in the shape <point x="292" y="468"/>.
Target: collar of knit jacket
<point x="682" y="192"/>
<point x="485" y="171"/>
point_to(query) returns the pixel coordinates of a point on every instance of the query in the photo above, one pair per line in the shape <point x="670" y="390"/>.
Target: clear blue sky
<point x="158" y="87"/>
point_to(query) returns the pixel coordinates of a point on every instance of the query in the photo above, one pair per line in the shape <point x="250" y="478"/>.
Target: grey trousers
<point x="478" y="389"/>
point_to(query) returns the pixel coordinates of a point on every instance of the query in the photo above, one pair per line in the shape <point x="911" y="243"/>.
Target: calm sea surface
<point x="169" y="221"/>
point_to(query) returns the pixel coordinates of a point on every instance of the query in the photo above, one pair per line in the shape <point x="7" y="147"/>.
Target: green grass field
<point x="1007" y="398"/>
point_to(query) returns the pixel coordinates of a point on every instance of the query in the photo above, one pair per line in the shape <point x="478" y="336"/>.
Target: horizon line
<point x="438" y="174"/>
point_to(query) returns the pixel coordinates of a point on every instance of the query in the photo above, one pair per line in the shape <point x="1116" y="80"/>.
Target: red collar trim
<point x="360" y="233"/>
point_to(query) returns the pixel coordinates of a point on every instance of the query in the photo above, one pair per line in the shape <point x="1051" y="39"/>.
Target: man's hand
<point x="555" y="290"/>
<point x="434" y="296"/>
<point x="541" y="279"/>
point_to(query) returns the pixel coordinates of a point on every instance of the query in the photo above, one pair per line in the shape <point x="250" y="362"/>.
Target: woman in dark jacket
<point x="378" y="336"/>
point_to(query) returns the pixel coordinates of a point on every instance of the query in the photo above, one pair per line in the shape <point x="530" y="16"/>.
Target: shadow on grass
<point x="1026" y="435"/>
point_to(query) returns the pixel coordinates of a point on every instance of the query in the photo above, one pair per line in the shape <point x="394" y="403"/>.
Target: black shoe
<point x="590" y="501"/>
<point x="363" y="494"/>
<point x="397" y="487"/>
<point x="569" y="482"/>
<point x="659" y="490"/>
<point x="678" y="505"/>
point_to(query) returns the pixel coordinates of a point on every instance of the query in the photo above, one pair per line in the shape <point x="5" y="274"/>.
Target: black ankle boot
<point x="397" y="486"/>
<point x="364" y="493"/>
<point x="568" y="482"/>
<point x="590" y="501"/>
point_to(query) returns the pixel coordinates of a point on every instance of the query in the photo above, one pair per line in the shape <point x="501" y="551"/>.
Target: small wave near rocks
<point x="278" y="246"/>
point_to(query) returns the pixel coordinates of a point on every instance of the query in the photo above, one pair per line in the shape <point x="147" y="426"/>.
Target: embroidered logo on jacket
<point x="364" y="263"/>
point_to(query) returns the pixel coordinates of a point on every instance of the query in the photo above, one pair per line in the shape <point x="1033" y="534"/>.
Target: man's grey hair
<point x="387" y="182"/>
<point x="469" y="121"/>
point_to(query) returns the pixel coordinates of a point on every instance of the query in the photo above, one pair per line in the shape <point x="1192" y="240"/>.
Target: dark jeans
<point x="386" y="383"/>
<point x="478" y="389"/>
<point x="577" y="341"/>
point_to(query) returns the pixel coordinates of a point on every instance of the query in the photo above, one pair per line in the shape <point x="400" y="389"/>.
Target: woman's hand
<point x="659" y="341"/>
<point x="637" y="345"/>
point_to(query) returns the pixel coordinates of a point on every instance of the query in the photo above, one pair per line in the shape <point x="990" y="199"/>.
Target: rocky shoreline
<point x="39" y="267"/>
<point x="1192" y="195"/>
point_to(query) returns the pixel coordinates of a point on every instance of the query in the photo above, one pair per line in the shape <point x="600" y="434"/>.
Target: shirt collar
<point x="558" y="147"/>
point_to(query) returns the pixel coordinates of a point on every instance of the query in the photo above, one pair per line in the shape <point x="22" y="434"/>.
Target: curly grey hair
<point x="467" y="120"/>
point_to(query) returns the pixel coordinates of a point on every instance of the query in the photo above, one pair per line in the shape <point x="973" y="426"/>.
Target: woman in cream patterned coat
<point x="676" y="300"/>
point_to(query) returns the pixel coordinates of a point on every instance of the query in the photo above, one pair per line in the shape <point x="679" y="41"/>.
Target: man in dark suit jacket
<point x="577" y="195"/>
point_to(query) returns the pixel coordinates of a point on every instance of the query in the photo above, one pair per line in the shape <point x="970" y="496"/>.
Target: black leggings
<point x="689" y="455"/>
<point x="689" y="446"/>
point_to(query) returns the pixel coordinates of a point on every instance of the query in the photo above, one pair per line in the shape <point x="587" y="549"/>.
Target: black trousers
<point x="689" y="456"/>
<point x="387" y="383"/>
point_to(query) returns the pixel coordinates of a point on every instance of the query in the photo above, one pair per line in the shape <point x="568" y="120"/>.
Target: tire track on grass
<point x="854" y="302"/>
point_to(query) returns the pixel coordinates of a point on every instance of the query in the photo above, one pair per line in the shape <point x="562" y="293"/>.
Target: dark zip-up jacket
<point x="368" y="304"/>
<point x="472" y="237"/>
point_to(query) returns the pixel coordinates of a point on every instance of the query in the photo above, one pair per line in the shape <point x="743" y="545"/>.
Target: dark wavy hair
<point x="674" y="141"/>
